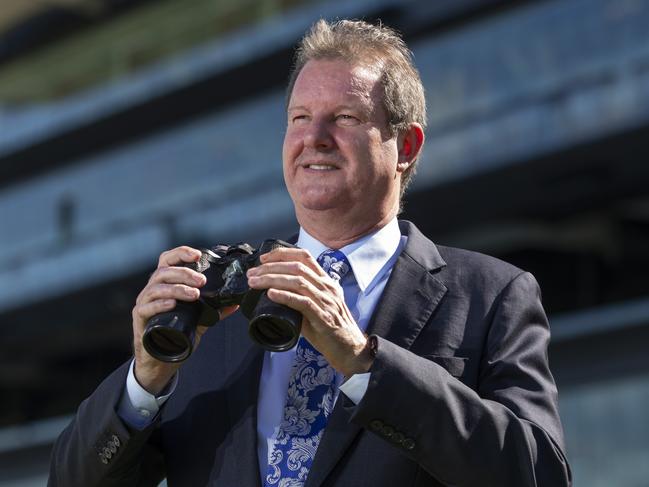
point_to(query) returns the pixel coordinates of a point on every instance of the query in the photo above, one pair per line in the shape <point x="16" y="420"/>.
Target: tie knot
<point x="334" y="263"/>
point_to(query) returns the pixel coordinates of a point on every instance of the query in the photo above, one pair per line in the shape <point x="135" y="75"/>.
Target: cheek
<point x="390" y="156"/>
<point x="382" y="157"/>
<point x="287" y="150"/>
<point x="290" y="148"/>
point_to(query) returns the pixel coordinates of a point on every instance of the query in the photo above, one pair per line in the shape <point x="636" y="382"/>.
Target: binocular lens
<point x="170" y="336"/>
<point x="167" y="344"/>
<point x="273" y="333"/>
<point x="273" y="326"/>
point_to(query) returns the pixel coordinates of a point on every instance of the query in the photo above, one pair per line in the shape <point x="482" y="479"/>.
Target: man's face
<point x="338" y="153"/>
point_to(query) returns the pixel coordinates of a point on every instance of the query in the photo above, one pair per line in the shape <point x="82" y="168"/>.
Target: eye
<point x="347" y="119"/>
<point x="298" y="118"/>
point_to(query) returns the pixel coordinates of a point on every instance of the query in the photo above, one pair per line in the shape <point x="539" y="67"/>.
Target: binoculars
<point x="169" y="336"/>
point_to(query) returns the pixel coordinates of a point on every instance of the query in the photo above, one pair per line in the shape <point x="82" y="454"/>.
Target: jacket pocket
<point x="453" y="365"/>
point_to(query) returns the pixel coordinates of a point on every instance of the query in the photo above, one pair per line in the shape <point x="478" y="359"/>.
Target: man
<point x="430" y="362"/>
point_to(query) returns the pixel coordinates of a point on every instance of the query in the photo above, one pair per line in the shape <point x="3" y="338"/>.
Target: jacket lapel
<point x="412" y="293"/>
<point x="408" y="301"/>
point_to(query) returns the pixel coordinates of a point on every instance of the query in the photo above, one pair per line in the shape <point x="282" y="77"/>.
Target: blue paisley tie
<point x="309" y="401"/>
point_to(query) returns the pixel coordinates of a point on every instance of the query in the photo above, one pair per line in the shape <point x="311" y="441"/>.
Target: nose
<point x="318" y="135"/>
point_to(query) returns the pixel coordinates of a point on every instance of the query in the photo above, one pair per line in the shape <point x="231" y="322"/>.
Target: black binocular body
<point x="169" y="336"/>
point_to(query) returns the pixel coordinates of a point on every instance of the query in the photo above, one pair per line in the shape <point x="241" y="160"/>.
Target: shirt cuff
<point x="138" y="407"/>
<point x="356" y="386"/>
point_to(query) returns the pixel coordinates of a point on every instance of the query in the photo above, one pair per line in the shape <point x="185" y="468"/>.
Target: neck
<point x="336" y="232"/>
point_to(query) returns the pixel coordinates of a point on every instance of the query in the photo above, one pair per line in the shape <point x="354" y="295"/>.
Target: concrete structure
<point x="539" y="116"/>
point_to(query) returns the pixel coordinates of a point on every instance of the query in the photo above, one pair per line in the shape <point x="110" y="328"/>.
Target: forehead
<point x="335" y="81"/>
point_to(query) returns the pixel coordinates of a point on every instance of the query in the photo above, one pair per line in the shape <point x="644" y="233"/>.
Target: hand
<point x="168" y="283"/>
<point x="293" y="278"/>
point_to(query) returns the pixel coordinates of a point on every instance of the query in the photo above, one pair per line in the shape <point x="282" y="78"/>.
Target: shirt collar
<point x="368" y="256"/>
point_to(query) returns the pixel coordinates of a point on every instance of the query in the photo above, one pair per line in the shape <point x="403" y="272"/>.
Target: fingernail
<point x="252" y="272"/>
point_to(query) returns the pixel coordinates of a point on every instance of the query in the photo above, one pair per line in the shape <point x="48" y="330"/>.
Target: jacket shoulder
<point x="453" y="265"/>
<point x="474" y="269"/>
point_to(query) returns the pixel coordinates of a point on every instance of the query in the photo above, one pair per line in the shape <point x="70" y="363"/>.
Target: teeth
<point x="321" y="167"/>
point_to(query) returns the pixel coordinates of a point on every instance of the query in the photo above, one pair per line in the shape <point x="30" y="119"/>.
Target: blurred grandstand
<point x="131" y="126"/>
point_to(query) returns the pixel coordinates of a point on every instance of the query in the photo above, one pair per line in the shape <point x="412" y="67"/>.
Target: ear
<point x="409" y="143"/>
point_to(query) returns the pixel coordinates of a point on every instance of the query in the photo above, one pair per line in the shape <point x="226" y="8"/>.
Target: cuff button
<point x="387" y="431"/>
<point x="408" y="444"/>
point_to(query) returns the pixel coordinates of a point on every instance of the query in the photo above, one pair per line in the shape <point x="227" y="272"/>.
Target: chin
<point x="320" y="200"/>
<point x="321" y="203"/>
<point x="318" y="205"/>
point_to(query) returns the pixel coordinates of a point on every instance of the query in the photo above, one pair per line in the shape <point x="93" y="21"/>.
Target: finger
<point x="298" y="302"/>
<point x="297" y="284"/>
<point x="179" y="255"/>
<point x="147" y="310"/>
<point x="304" y="297"/>
<point x="291" y="268"/>
<point x="168" y="291"/>
<point x="227" y="311"/>
<point x="178" y="275"/>
<point x="284" y="254"/>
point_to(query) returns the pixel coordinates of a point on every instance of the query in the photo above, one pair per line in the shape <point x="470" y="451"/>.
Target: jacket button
<point x="107" y="453"/>
<point x="376" y="424"/>
<point x="116" y="441"/>
<point x="103" y="459"/>
<point x="408" y="444"/>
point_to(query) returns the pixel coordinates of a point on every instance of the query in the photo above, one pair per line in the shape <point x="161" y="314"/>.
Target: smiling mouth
<point x="320" y="167"/>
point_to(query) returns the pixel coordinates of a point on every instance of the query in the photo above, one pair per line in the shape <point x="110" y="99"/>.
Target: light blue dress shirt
<point x="371" y="259"/>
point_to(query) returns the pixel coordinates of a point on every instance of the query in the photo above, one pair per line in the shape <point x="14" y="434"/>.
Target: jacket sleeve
<point x="98" y="450"/>
<point x="505" y="433"/>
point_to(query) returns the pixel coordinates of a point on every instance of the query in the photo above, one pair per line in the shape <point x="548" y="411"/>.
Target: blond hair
<point x="376" y="46"/>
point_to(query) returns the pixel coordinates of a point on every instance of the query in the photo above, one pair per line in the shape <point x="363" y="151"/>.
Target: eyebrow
<point x="337" y="107"/>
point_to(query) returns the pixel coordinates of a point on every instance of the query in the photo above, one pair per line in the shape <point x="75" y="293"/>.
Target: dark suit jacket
<point x="460" y="395"/>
